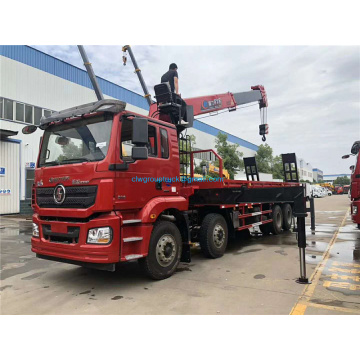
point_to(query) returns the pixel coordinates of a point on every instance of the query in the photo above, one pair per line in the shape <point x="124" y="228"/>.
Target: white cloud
<point x="313" y="92"/>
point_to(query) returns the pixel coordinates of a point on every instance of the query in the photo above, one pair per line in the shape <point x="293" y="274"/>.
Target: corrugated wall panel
<point x="214" y="131"/>
<point x="54" y="66"/>
<point x="10" y="159"/>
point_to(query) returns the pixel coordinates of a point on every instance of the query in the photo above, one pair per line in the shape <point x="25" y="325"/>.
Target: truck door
<point x="136" y="184"/>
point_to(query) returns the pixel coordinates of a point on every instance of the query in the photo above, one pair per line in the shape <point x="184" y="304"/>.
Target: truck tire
<point x="164" y="251"/>
<point x="277" y="222"/>
<point x="213" y="236"/>
<point x="287" y="216"/>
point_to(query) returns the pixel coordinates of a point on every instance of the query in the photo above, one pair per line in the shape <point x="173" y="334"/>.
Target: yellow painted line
<point x="315" y="276"/>
<point x="333" y="308"/>
<point x="299" y="309"/>
<point x="341" y="285"/>
<point x="339" y="263"/>
<point x="344" y="277"/>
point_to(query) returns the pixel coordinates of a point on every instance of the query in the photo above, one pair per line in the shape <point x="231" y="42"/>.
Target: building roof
<point x="52" y="65"/>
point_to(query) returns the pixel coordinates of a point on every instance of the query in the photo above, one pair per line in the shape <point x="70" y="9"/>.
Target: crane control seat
<point x="168" y="102"/>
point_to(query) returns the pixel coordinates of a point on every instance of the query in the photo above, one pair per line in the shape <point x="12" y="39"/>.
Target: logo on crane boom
<point x="211" y="104"/>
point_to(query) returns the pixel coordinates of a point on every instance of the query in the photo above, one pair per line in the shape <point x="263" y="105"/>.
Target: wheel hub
<point x="218" y="235"/>
<point x="165" y="250"/>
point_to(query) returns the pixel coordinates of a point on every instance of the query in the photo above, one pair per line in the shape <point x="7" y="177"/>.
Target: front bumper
<point x="78" y="251"/>
<point x="355" y="217"/>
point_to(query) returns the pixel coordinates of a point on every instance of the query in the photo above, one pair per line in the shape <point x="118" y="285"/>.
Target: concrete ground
<point x="255" y="276"/>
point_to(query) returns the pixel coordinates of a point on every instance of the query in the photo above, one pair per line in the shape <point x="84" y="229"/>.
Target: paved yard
<point x="256" y="276"/>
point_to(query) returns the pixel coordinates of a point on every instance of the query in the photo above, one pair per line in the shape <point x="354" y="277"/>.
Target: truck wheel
<point x="213" y="236"/>
<point x="164" y="251"/>
<point x="287" y="216"/>
<point x="277" y="222"/>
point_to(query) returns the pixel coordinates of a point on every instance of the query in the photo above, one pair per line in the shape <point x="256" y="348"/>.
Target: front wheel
<point x="164" y="251"/>
<point x="213" y="236"/>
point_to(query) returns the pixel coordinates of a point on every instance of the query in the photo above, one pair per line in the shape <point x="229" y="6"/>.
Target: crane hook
<point x="263" y="138"/>
<point x="124" y="57"/>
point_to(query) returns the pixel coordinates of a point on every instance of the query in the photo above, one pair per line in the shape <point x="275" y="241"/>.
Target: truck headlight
<point x="354" y="209"/>
<point x="35" y="230"/>
<point x="101" y="235"/>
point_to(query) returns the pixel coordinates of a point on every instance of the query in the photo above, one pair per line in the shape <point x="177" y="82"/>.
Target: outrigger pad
<point x="290" y="167"/>
<point x="251" y="169"/>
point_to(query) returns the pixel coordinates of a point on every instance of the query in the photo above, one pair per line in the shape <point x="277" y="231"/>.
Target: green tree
<point x="342" y="180"/>
<point x="232" y="158"/>
<point x="277" y="169"/>
<point x="185" y="158"/>
<point x="199" y="169"/>
<point x="70" y="151"/>
<point x="264" y="158"/>
<point x="269" y="164"/>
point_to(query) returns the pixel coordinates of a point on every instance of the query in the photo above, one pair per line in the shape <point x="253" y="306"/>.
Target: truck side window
<point x="164" y="143"/>
<point x="126" y="140"/>
<point x="126" y="143"/>
<point x="152" y="144"/>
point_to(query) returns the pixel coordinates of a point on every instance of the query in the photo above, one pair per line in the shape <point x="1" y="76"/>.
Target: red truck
<point x="355" y="183"/>
<point x="113" y="186"/>
<point x="108" y="189"/>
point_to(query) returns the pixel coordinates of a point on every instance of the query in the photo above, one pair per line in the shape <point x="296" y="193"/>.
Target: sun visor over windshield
<point x="112" y="106"/>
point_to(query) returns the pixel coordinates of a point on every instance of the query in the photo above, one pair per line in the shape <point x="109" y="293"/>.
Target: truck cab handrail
<point x="202" y="151"/>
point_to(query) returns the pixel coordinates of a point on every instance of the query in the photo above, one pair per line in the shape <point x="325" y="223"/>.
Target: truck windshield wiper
<point x="51" y="163"/>
<point x="74" y="160"/>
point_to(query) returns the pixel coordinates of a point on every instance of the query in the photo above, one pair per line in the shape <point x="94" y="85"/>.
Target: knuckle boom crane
<point x="90" y="211"/>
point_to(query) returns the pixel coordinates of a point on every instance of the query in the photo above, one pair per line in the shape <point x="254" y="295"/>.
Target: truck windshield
<point x="75" y="142"/>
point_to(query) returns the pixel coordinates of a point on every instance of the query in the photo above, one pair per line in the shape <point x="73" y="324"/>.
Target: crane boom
<point x="91" y="73"/>
<point x="213" y="103"/>
<point x="167" y="107"/>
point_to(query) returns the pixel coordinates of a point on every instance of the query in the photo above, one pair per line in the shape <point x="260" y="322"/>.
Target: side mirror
<point x="352" y="167"/>
<point x="140" y="131"/>
<point x="139" y="153"/>
<point x="29" y="129"/>
<point x="345" y="156"/>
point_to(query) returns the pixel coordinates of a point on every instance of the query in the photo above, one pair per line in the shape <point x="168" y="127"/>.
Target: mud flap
<point x="186" y="253"/>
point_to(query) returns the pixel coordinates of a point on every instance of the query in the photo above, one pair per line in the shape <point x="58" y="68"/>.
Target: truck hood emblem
<point x="59" y="194"/>
<point x="55" y="179"/>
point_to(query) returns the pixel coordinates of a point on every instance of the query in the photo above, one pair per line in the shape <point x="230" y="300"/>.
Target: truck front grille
<point x="75" y="197"/>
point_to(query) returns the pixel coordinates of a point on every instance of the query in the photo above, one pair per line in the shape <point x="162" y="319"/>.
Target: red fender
<point x="156" y="206"/>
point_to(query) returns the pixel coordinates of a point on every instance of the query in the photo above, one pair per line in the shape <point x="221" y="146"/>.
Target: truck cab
<point x="355" y="183"/>
<point x="95" y="179"/>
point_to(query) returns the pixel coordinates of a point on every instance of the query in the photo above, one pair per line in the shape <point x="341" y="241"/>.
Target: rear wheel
<point x="287" y="216"/>
<point x="277" y="222"/>
<point x="164" y="251"/>
<point x="213" y="236"/>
